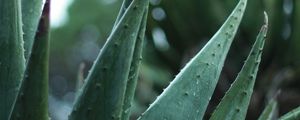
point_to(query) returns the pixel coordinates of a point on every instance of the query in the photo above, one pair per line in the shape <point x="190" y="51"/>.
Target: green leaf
<point x="123" y="8"/>
<point x="103" y="93"/>
<point x="269" y="112"/>
<point x="294" y="45"/>
<point x="187" y="96"/>
<point x="235" y="103"/>
<point x="32" y="101"/>
<point x="134" y="69"/>
<point x="12" y="62"/>
<point x="292" y="115"/>
<point x="31" y="14"/>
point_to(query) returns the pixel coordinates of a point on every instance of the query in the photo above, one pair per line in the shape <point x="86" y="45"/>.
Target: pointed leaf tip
<point x="292" y="115"/>
<point x="266" y="20"/>
<point x="269" y="112"/>
<point x="102" y="96"/>
<point x="235" y="103"/>
<point x="193" y="87"/>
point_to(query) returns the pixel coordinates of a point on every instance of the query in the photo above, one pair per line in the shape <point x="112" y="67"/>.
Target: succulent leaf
<point x="193" y="87"/>
<point x="123" y="8"/>
<point x="134" y="69"/>
<point x="32" y="100"/>
<point x="31" y="14"/>
<point x="12" y="62"/>
<point x="292" y="115"/>
<point x="235" y="103"/>
<point x="103" y="93"/>
<point x="269" y="112"/>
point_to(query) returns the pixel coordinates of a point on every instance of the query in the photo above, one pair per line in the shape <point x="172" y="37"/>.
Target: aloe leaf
<point x="235" y="103"/>
<point x="31" y="14"/>
<point x="193" y="87"/>
<point x="269" y="111"/>
<point x="12" y="62"/>
<point x="294" y="44"/>
<point x="292" y="115"/>
<point x="123" y="8"/>
<point x="103" y="93"/>
<point x="134" y="69"/>
<point x="32" y="100"/>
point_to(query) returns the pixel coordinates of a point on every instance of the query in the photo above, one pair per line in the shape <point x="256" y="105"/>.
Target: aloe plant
<point x="134" y="70"/>
<point x="12" y="62"/>
<point x="109" y="89"/>
<point x="199" y="75"/>
<point x="269" y="112"/>
<point x="108" y="77"/>
<point x="136" y="60"/>
<point x="32" y="101"/>
<point x="292" y="115"/>
<point x="31" y="13"/>
<point x="234" y="104"/>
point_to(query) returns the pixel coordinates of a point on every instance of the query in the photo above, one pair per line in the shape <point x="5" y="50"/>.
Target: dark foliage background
<point x="177" y="30"/>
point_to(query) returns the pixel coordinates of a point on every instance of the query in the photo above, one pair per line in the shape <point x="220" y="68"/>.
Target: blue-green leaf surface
<point x="102" y="95"/>
<point x="292" y="115"/>
<point x="269" y="112"/>
<point x="188" y="95"/>
<point x="12" y="62"/>
<point x="234" y="104"/>
<point x="32" y="100"/>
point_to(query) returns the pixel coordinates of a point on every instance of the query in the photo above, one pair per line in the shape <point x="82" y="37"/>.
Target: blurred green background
<point x="176" y="31"/>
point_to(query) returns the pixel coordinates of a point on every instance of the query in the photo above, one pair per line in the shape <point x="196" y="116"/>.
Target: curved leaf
<point x="193" y="87"/>
<point x="123" y="8"/>
<point x="12" y="62"/>
<point x="32" y="101"/>
<point x="235" y="103"/>
<point x="103" y="93"/>
<point x="292" y="115"/>
<point x="134" y="69"/>
<point x="269" y="111"/>
<point x="31" y="14"/>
